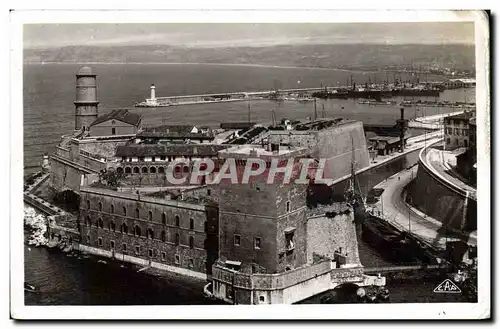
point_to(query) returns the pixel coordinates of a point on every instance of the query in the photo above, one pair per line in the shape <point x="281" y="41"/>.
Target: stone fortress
<point x="254" y="243"/>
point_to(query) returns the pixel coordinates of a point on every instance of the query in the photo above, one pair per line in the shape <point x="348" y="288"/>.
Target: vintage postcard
<point x="306" y="165"/>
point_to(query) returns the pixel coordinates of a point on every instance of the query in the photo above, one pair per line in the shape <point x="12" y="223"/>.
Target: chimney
<point x="402" y="129"/>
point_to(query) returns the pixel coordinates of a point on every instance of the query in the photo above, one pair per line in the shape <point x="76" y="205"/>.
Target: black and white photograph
<point x="330" y="162"/>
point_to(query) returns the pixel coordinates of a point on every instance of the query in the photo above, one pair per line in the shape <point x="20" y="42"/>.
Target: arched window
<point x="163" y="236"/>
<point x="152" y="170"/>
<point x="164" y="219"/>
<point x="151" y="234"/>
<point x="144" y="170"/>
<point x="120" y="170"/>
<point x="112" y="225"/>
<point x="191" y="242"/>
<point x="128" y="170"/>
<point x="177" y="221"/>
<point x="88" y="204"/>
<point x="136" y="170"/>
<point x="124" y="228"/>
<point x="136" y="212"/>
<point x="112" y="208"/>
<point x="100" y="206"/>
<point x="161" y="170"/>
<point x="191" y="224"/>
<point x="177" y="169"/>
<point x="177" y="238"/>
<point x="100" y="223"/>
<point x="137" y="231"/>
<point x="124" y="211"/>
<point x="150" y="215"/>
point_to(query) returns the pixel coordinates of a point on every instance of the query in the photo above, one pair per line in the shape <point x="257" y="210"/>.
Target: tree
<point x="111" y="177"/>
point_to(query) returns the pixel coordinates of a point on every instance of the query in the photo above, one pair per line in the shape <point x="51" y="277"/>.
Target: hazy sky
<point x="231" y="35"/>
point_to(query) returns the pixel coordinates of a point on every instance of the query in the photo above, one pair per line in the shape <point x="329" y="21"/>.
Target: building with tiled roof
<point x="117" y="122"/>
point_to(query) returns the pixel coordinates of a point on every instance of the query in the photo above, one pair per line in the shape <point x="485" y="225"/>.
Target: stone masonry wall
<point x="439" y="201"/>
<point x="326" y="235"/>
<point x="335" y="144"/>
<point x="64" y="177"/>
<point x="111" y="209"/>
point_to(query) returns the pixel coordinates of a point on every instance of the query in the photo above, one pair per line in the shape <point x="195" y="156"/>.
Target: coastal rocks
<point x="37" y="223"/>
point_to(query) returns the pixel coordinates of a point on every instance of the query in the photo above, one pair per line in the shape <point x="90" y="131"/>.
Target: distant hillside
<point x="353" y="56"/>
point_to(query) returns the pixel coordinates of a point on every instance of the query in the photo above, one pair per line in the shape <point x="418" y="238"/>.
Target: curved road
<point x="398" y="212"/>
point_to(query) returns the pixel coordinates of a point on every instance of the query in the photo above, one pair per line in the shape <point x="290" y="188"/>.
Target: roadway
<point x="435" y="160"/>
<point x="396" y="211"/>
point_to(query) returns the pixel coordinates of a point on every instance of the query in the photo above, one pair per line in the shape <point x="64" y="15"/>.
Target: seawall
<point x="432" y="194"/>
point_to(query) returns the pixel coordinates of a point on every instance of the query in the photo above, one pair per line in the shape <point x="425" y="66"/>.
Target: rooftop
<point x="143" y="150"/>
<point x="321" y="124"/>
<point x="462" y="116"/>
<point x="237" y="125"/>
<point x="120" y="115"/>
<point x="266" y="151"/>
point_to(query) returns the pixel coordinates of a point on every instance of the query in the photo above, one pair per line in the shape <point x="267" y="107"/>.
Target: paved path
<point x="437" y="161"/>
<point x="400" y="214"/>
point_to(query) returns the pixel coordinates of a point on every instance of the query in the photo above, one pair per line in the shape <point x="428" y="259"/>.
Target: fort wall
<point x="328" y="234"/>
<point x="167" y="232"/>
<point x="441" y="199"/>
<point x="436" y="198"/>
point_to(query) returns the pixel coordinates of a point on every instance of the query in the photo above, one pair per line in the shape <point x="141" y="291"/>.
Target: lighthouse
<point x="86" y="98"/>
<point x="152" y="101"/>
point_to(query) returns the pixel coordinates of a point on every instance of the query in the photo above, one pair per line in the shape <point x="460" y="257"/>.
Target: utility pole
<point x="315" y="111"/>
<point x="409" y="208"/>
<point x="248" y="112"/>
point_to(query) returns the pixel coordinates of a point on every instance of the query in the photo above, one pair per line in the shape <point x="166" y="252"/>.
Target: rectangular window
<point x="177" y="259"/>
<point x="288" y="206"/>
<point x="289" y="241"/>
<point x="237" y="240"/>
<point x="124" y="247"/>
<point x="150" y="252"/>
<point x="88" y="239"/>
<point x="113" y="131"/>
<point x="163" y="256"/>
<point x="162" y="158"/>
<point x="112" y="243"/>
<point x="153" y="159"/>
<point x="137" y="249"/>
<point x="191" y="263"/>
<point x="257" y="243"/>
<point x="141" y="158"/>
<point x="99" y="241"/>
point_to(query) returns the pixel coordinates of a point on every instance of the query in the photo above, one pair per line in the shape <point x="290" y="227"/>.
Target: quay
<point x="296" y="94"/>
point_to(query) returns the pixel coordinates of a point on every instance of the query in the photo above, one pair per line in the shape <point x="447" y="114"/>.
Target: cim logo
<point x="447" y="286"/>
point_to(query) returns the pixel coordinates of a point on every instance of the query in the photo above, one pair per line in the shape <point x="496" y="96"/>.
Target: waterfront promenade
<point x="395" y="210"/>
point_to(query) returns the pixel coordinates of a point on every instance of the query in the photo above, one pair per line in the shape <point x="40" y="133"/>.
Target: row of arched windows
<point x="150" y="234"/>
<point x="150" y="215"/>
<point x="151" y="170"/>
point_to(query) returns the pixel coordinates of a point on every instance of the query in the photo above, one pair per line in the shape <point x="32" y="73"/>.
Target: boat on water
<point x="29" y="288"/>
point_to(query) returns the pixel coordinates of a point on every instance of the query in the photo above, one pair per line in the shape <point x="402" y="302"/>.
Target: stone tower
<point x="262" y="226"/>
<point x="86" y="98"/>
